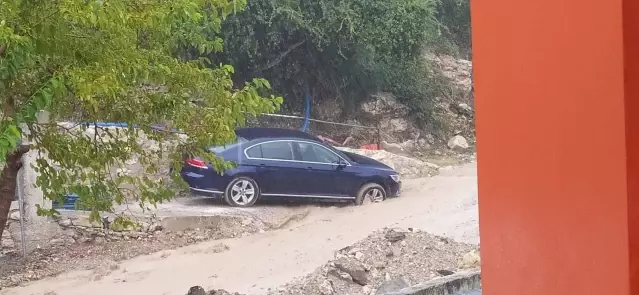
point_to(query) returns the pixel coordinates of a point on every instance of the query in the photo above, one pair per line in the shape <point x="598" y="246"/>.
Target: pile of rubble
<point x="386" y="261"/>
<point x="406" y="166"/>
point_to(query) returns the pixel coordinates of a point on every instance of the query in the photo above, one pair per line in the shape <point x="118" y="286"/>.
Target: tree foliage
<point x="115" y="60"/>
<point x="454" y="17"/>
<point x="339" y="49"/>
<point x="326" y="49"/>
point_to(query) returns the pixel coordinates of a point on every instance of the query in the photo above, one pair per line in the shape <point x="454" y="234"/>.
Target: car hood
<point x="366" y="161"/>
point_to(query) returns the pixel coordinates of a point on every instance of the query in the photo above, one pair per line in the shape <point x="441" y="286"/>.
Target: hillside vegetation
<point x="344" y="51"/>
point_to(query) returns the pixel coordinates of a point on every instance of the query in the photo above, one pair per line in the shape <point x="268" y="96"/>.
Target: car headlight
<point x="395" y="177"/>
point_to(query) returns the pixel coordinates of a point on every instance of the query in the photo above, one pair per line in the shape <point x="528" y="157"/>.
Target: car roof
<point x="263" y="132"/>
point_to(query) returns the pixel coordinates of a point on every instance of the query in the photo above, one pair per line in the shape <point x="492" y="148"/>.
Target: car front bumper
<point x="394" y="189"/>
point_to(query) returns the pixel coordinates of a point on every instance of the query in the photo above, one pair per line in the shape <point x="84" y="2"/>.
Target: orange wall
<point x="551" y="127"/>
<point x="631" y="60"/>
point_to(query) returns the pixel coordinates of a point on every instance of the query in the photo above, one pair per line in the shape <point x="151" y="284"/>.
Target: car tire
<point x="242" y="192"/>
<point x="370" y="193"/>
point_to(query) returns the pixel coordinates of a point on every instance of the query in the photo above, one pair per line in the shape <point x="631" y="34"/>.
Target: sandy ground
<point x="443" y="205"/>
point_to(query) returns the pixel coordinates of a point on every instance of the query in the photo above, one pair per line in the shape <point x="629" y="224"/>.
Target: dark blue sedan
<point x="288" y="163"/>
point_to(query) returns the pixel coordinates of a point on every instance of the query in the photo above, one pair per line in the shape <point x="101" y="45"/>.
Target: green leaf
<point x="117" y="62"/>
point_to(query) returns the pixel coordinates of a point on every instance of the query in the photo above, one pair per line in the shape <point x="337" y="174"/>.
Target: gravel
<point x="387" y="260"/>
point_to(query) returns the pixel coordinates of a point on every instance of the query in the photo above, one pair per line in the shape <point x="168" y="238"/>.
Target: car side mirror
<point x="341" y="164"/>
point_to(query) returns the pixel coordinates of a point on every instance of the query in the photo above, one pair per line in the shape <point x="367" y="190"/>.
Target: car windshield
<point x="222" y="148"/>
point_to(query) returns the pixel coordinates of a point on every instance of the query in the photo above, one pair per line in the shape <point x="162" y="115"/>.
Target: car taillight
<point x="197" y="163"/>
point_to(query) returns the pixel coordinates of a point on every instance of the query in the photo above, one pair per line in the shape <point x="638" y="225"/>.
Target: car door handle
<point x="309" y="168"/>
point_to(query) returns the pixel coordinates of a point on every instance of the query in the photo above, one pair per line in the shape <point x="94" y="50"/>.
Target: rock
<point x="397" y="251"/>
<point x="344" y="276"/>
<point x="83" y="222"/>
<point x="445" y="272"/>
<point x="123" y="172"/>
<point x="221" y="292"/>
<point x="430" y="138"/>
<point x="219" y="248"/>
<point x="57" y="242"/>
<point x="408" y="145"/>
<point x="131" y="161"/>
<point x="385" y="104"/>
<point x="458" y="143"/>
<point x="394" y="125"/>
<point x="423" y="144"/>
<point x="145" y="226"/>
<point x="247" y="222"/>
<point x="359" y="256"/>
<point x="392" y="286"/>
<point x="326" y="288"/>
<point x="394" y="236"/>
<point x="7" y="242"/>
<point x="380" y="264"/>
<point x="392" y="147"/>
<point x="99" y="240"/>
<point x="196" y="290"/>
<point x="471" y="259"/>
<point x="15" y="215"/>
<point x="464" y="109"/>
<point x="354" y="268"/>
<point x="65" y="222"/>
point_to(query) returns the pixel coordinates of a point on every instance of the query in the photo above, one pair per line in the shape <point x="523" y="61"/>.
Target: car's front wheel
<point x="370" y="193"/>
<point x="242" y="192"/>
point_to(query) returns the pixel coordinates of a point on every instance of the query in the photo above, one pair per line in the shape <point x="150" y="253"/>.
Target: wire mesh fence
<point x="336" y="133"/>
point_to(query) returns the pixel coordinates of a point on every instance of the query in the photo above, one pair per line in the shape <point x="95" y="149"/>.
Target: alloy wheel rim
<point x="373" y="196"/>
<point x="243" y="192"/>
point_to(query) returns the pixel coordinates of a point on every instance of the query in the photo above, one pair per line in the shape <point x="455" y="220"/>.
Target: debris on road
<point x="198" y="290"/>
<point x="386" y="261"/>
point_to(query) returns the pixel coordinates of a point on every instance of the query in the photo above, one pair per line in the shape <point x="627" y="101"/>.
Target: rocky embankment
<point x="408" y="167"/>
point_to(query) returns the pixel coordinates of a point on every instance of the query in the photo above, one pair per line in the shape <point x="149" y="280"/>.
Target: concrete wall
<point x="468" y="282"/>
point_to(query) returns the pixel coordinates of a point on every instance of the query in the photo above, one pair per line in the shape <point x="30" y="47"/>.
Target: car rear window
<point x="222" y="148"/>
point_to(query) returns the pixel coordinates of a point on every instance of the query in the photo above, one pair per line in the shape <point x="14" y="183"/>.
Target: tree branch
<point x="282" y="55"/>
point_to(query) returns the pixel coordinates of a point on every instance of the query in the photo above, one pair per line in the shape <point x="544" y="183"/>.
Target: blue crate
<point x="68" y="204"/>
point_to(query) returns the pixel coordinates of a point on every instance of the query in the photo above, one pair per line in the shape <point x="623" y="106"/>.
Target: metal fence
<point x="335" y="133"/>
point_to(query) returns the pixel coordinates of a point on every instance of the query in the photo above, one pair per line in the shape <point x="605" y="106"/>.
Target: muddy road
<point x="442" y="205"/>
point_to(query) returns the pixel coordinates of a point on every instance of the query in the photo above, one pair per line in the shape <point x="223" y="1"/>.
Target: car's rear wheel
<point x="242" y="192"/>
<point x="370" y="193"/>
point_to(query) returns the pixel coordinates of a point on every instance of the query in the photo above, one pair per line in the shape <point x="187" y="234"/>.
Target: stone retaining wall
<point x="448" y="285"/>
<point x="80" y="229"/>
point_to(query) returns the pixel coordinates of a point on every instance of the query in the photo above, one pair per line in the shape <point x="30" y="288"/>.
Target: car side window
<point x="316" y="153"/>
<point x="255" y="152"/>
<point x="275" y="150"/>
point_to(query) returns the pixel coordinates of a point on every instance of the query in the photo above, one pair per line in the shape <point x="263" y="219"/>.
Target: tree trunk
<point x="8" y="182"/>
